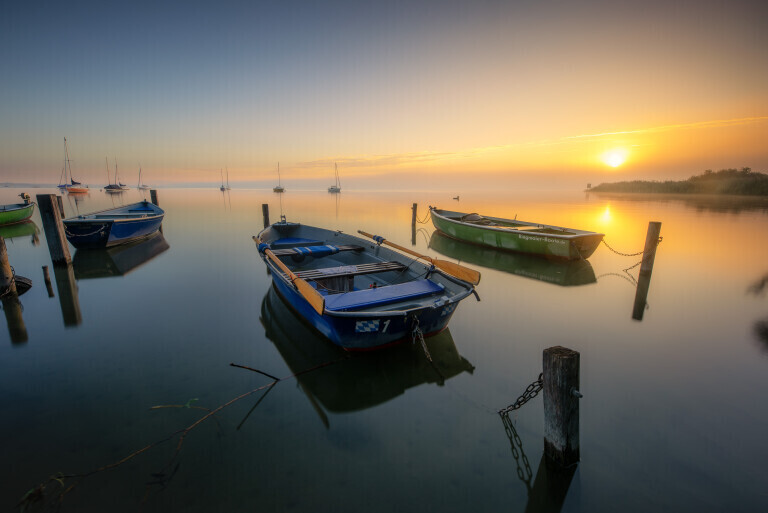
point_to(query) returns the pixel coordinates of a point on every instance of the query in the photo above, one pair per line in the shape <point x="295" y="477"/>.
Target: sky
<point x="400" y="94"/>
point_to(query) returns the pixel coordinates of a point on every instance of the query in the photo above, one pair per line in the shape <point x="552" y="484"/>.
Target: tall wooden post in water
<point x="54" y="229"/>
<point x="6" y="273"/>
<point x="10" y="299"/>
<point x="265" y="213"/>
<point x="153" y="196"/>
<point x="413" y="225"/>
<point x="646" y="268"/>
<point x="561" y="405"/>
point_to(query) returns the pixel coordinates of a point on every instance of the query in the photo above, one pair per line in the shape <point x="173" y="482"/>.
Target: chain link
<point x="100" y="229"/>
<point x="524" y="472"/>
<point x="530" y="392"/>
<point x="416" y="334"/>
<point x="629" y="254"/>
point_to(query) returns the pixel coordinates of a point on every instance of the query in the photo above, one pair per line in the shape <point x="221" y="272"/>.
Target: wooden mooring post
<point x="10" y="299"/>
<point x="561" y="405"/>
<point x="265" y="213"/>
<point x="153" y="196"/>
<point x="6" y="273"/>
<point x="60" y="201"/>
<point x="646" y="268"/>
<point x="54" y="229"/>
<point x="413" y="224"/>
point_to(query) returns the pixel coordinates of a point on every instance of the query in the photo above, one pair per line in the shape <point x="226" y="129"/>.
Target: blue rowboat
<point x="355" y="292"/>
<point x="115" y="226"/>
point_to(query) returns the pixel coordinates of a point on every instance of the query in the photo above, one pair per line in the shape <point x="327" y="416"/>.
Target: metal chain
<point x="530" y="392"/>
<point x="524" y="472"/>
<point x="629" y="254"/>
<point x="423" y="221"/>
<point x="416" y="334"/>
<point x="101" y="228"/>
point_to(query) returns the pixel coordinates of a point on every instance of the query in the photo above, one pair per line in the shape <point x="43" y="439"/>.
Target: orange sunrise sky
<point x="407" y="94"/>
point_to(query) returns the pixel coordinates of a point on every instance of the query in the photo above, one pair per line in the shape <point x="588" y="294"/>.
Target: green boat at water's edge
<point x="513" y="235"/>
<point x="17" y="212"/>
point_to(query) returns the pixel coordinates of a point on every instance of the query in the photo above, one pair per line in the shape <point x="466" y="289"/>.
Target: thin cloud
<point x="405" y="159"/>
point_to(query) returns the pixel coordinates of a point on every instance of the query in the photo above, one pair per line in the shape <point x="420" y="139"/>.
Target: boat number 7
<point x="386" y="325"/>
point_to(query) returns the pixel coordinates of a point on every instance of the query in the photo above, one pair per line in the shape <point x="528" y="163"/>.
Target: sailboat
<point x="112" y="188"/>
<point x="278" y="188"/>
<point x="222" y="188"/>
<point x="70" y="185"/>
<point x="141" y="186"/>
<point x="337" y="186"/>
<point x="117" y="179"/>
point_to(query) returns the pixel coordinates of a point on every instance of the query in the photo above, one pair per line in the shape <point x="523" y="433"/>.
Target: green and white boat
<point x="513" y="235"/>
<point x="17" y="212"/>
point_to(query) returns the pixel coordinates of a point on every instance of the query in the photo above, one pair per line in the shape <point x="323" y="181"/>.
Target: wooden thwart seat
<point x="350" y="270"/>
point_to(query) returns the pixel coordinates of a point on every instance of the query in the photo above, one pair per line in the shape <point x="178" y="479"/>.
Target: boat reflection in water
<point x="360" y="380"/>
<point x="560" y="272"/>
<point x="117" y="260"/>
<point x="24" y="229"/>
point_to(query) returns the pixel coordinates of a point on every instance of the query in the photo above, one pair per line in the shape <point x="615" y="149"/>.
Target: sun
<point x="615" y="157"/>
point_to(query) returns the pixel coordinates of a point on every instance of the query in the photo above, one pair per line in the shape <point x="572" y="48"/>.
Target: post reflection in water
<point x="559" y="272"/>
<point x="548" y="491"/>
<point x="68" y="298"/>
<point x="363" y="380"/>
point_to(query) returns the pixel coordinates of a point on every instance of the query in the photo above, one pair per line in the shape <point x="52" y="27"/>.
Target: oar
<point x="459" y="271"/>
<point x="312" y="296"/>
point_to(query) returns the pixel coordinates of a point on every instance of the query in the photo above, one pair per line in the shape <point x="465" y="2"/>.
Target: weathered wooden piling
<point x="10" y="299"/>
<point x="646" y="268"/>
<point x="413" y="224"/>
<point x="265" y="213"/>
<point x="6" y="273"/>
<point x="47" y="278"/>
<point x="153" y="197"/>
<point x="54" y="229"/>
<point x="60" y="201"/>
<point x="561" y="405"/>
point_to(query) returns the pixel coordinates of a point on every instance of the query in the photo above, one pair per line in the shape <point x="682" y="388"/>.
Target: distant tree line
<point x="726" y="181"/>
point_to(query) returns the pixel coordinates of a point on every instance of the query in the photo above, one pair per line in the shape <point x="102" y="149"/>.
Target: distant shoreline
<point x="730" y="182"/>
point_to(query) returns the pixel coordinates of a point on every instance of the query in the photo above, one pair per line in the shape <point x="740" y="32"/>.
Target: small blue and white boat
<point x="357" y="293"/>
<point x="115" y="226"/>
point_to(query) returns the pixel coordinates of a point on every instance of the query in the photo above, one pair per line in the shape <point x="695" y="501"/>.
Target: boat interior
<point x="352" y="278"/>
<point x="492" y="222"/>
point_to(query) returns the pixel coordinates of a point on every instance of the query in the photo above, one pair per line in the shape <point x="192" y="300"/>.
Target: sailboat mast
<point x="106" y="162"/>
<point x="278" y="174"/>
<point x="66" y="161"/>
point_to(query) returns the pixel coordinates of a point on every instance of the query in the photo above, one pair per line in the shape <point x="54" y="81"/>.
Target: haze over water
<point x="671" y="418"/>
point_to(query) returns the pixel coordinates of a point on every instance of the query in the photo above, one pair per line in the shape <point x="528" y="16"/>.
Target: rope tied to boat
<point x="531" y="391"/>
<point x="378" y="239"/>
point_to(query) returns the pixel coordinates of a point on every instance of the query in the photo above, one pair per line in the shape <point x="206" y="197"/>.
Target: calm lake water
<point x="673" y="418"/>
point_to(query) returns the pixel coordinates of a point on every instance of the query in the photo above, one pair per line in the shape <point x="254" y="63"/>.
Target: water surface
<point x="673" y="416"/>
